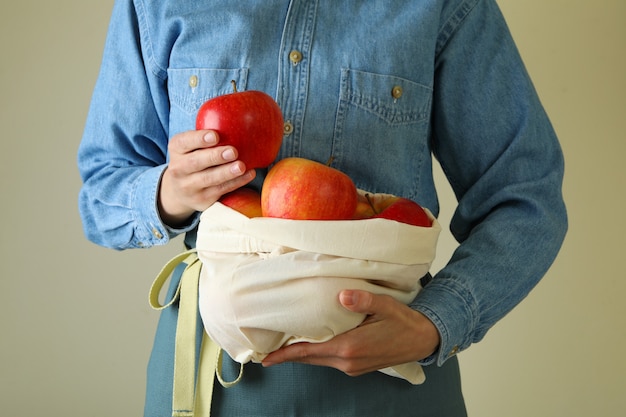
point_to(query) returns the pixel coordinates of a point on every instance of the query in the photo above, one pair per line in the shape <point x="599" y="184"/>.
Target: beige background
<point x="76" y="329"/>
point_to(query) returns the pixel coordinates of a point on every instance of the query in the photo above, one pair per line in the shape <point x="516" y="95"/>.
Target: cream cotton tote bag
<point x="268" y="282"/>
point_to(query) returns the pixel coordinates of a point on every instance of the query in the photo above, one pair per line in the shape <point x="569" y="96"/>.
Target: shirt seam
<point x="451" y="25"/>
<point x="146" y="40"/>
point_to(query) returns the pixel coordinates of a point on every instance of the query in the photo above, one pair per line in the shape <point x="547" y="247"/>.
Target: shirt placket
<point x="294" y="72"/>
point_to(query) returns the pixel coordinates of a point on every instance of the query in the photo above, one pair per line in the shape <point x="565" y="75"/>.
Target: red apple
<point x="244" y="200"/>
<point x="251" y="121"/>
<point x="392" y="208"/>
<point x="301" y="189"/>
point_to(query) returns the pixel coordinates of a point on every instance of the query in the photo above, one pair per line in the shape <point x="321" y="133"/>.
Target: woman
<point x="379" y="86"/>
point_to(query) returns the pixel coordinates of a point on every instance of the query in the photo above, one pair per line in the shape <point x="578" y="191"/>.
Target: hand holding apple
<point x="251" y="121"/>
<point x="198" y="173"/>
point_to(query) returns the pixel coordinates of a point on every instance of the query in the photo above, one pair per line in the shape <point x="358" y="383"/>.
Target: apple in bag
<point x="391" y="207"/>
<point x="244" y="200"/>
<point x="302" y="189"/>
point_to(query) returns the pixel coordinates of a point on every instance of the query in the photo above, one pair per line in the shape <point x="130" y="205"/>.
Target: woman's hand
<point x="198" y="174"/>
<point x="391" y="334"/>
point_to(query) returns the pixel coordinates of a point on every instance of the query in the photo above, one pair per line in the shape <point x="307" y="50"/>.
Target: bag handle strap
<point x="210" y="367"/>
<point x="183" y="392"/>
<point x="185" y="351"/>
<point x="189" y="400"/>
<point x="187" y="257"/>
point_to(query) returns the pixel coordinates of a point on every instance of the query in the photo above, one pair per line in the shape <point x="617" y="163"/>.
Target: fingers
<point x="211" y="184"/>
<point x="309" y="353"/>
<point x="195" y="151"/>
<point x="199" y="190"/>
<point x="192" y="140"/>
<point x="346" y="352"/>
<point x="198" y="163"/>
<point x="199" y="172"/>
<point x="391" y="334"/>
<point x="363" y="302"/>
<point x="212" y="157"/>
<point x="343" y="353"/>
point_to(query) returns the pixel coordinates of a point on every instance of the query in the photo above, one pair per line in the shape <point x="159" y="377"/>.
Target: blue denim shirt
<point x="462" y="95"/>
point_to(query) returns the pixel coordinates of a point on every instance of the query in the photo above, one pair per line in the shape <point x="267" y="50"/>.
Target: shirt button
<point x="288" y="128"/>
<point x="454" y="351"/>
<point x="295" y="57"/>
<point x="193" y="81"/>
<point x="156" y="233"/>
<point x="396" y="92"/>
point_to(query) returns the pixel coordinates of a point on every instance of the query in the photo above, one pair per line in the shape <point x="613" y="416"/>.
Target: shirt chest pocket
<point x="381" y="130"/>
<point x="394" y="100"/>
<point x="189" y="88"/>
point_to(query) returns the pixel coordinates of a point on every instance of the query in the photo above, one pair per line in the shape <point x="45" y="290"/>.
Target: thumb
<point x="358" y="301"/>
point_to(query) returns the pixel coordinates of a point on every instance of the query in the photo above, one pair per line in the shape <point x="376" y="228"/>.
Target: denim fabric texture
<point x="465" y="99"/>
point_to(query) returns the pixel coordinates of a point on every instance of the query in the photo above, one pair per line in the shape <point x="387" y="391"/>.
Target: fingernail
<point x="228" y="154"/>
<point x="210" y="138"/>
<point x="236" y="169"/>
<point x="251" y="173"/>
<point x="349" y="297"/>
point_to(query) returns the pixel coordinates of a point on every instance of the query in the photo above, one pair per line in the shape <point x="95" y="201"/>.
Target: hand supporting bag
<point x="269" y="282"/>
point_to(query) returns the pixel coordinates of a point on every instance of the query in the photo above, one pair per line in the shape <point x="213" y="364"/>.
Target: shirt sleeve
<point x="504" y="163"/>
<point x="123" y="152"/>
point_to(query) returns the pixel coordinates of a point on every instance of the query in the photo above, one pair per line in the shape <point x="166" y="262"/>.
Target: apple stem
<point x="330" y="161"/>
<point x="234" y="83"/>
<point x="369" y="200"/>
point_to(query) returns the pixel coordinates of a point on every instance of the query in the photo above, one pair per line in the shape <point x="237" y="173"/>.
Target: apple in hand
<point x="302" y="189"/>
<point x="251" y="121"/>
<point x="244" y="200"/>
<point x="392" y="208"/>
